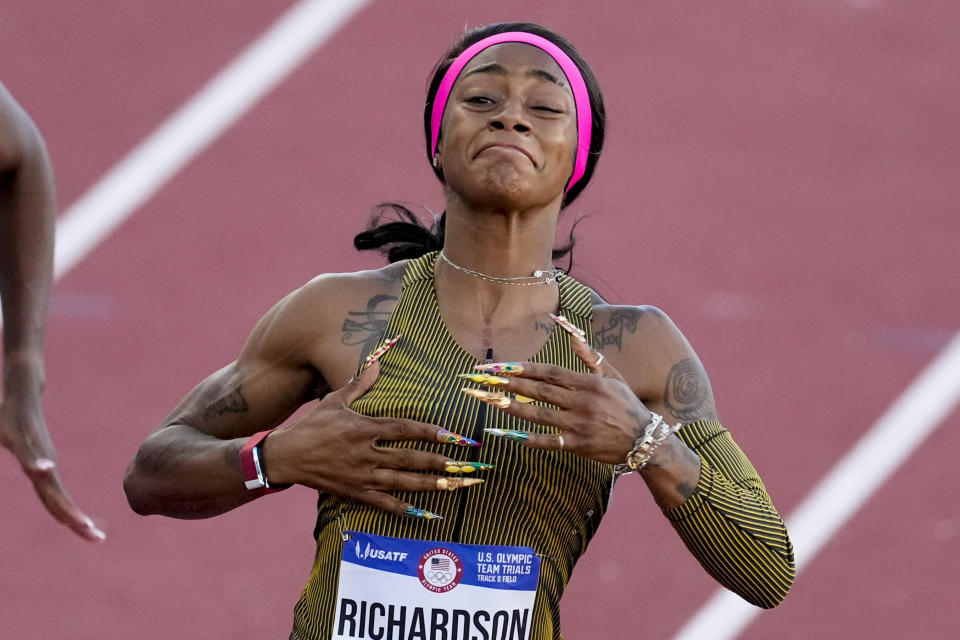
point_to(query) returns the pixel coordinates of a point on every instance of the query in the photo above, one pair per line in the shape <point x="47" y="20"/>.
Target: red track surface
<point x="781" y="180"/>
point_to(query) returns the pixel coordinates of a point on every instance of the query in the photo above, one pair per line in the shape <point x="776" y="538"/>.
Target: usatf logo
<point x="379" y="554"/>
<point x="440" y="570"/>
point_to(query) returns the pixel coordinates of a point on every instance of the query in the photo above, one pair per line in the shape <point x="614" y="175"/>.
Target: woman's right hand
<point x="336" y="450"/>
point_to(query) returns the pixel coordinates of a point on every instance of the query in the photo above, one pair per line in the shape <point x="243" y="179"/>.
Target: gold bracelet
<point x="654" y="434"/>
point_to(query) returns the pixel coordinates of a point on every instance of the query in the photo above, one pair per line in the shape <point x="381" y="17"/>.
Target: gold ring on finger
<point x="560" y="440"/>
<point x="599" y="360"/>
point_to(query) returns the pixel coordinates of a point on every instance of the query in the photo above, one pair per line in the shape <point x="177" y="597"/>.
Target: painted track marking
<point x="915" y="415"/>
<point x="195" y="125"/>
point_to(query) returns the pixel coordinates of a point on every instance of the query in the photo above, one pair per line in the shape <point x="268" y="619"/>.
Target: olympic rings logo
<point x="439" y="576"/>
<point x="440" y="570"/>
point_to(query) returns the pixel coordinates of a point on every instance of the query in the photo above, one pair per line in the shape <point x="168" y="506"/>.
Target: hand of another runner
<point x="336" y="450"/>
<point x="24" y="432"/>
<point x="598" y="415"/>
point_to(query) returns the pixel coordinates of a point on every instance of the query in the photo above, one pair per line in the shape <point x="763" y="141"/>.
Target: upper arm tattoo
<point x="232" y="402"/>
<point x="218" y="397"/>
<point x="366" y="327"/>
<point x="620" y="321"/>
<point x="687" y="394"/>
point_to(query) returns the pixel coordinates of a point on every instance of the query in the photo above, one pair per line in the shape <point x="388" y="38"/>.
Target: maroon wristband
<point x="253" y="476"/>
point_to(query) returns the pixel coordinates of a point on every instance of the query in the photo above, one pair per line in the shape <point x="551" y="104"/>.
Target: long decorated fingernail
<point x="513" y="434"/>
<point x="449" y="437"/>
<point x="484" y="378"/>
<point x="373" y="357"/>
<point x="570" y="328"/>
<point x="423" y="514"/>
<point x="455" y="466"/>
<point x="501" y="368"/>
<point x="452" y="484"/>
<point x="493" y="381"/>
<point x="490" y="397"/>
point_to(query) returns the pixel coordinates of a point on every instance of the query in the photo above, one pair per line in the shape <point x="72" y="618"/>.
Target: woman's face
<point x="509" y="129"/>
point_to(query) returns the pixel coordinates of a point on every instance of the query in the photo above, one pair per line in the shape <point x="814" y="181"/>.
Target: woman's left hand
<point x="598" y="415"/>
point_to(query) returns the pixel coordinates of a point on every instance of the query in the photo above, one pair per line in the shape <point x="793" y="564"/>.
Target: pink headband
<point x="581" y="98"/>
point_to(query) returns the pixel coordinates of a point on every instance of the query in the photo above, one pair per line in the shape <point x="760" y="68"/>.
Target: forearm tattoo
<point x="366" y="327"/>
<point x="231" y="457"/>
<point x="620" y="321"/>
<point x="686" y="489"/>
<point x="687" y="394"/>
<point x="669" y="454"/>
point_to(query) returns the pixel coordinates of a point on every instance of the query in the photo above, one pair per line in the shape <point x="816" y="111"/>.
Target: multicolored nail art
<point x="484" y="378"/>
<point x="449" y="437"/>
<point x="495" y="398"/>
<point x="501" y="368"/>
<point x="570" y="328"/>
<point x="415" y="512"/>
<point x="457" y="466"/>
<point x="373" y="357"/>
<point x="452" y="484"/>
<point x="494" y="381"/>
<point x="513" y="434"/>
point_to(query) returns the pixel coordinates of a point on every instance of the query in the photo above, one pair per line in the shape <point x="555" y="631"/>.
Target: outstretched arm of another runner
<point x="27" y="221"/>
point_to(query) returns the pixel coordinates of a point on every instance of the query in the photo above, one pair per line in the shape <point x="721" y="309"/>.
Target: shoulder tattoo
<point x="620" y="321"/>
<point x="366" y="327"/>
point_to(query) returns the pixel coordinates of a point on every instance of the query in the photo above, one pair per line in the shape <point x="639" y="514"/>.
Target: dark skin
<point x="27" y="221"/>
<point x="506" y="153"/>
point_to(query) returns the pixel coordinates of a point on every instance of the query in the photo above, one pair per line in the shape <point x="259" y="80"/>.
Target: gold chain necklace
<point x="539" y="276"/>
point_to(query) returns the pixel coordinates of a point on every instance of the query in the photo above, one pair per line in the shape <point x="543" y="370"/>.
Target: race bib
<point x="397" y="589"/>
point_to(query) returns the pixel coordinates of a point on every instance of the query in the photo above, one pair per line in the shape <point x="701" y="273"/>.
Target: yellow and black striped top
<point x="729" y="524"/>
<point x="550" y="501"/>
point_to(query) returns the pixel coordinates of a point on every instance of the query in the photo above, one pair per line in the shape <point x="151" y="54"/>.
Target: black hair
<point x="407" y="237"/>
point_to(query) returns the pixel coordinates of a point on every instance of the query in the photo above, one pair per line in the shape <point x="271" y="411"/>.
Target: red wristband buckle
<point x="253" y="475"/>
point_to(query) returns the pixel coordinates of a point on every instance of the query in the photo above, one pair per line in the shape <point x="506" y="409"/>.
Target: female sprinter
<point x="421" y="532"/>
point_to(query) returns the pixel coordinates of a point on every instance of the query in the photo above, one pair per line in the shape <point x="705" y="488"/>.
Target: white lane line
<point x="907" y="423"/>
<point x="220" y="103"/>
